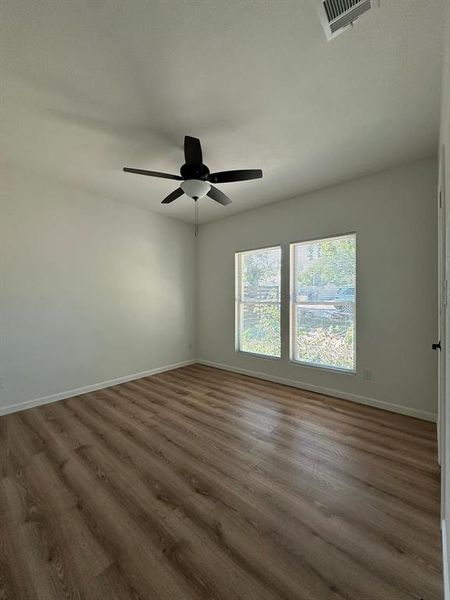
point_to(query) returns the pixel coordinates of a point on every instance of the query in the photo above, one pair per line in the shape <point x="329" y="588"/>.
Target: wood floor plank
<point x="338" y="451"/>
<point x="188" y="445"/>
<point x="406" y="449"/>
<point x="203" y="484"/>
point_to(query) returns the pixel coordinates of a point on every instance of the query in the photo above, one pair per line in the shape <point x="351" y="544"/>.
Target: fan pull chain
<point x="196" y="217"/>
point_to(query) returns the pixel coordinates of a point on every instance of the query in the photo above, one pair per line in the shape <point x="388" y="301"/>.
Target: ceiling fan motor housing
<point x="194" y="171"/>
<point x="195" y="188"/>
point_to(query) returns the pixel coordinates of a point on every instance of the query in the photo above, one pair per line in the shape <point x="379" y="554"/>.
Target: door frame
<point x="443" y="328"/>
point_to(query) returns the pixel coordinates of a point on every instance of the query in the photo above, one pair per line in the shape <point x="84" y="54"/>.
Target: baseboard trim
<point x="445" y="558"/>
<point x="10" y="408"/>
<point x="396" y="408"/>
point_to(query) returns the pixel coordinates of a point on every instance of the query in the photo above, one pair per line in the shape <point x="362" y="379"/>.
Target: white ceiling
<point x="90" y="86"/>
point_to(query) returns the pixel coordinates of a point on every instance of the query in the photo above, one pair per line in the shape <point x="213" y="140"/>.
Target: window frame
<point x="293" y="306"/>
<point x="238" y="302"/>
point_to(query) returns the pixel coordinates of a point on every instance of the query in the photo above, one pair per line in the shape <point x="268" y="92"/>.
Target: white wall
<point x="395" y="217"/>
<point x="91" y="290"/>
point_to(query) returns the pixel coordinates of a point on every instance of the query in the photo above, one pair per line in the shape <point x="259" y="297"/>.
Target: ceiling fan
<point x="196" y="177"/>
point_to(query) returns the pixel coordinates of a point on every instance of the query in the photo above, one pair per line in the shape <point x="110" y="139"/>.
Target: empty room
<point x="224" y="323"/>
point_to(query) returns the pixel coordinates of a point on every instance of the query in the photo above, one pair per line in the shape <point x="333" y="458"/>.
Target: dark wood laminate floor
<point x="198" y="483"/>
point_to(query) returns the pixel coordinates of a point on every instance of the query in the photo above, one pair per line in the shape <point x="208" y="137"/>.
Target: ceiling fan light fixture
<point x="195" y="188"/>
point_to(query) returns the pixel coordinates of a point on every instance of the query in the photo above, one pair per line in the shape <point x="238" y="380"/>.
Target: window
<point x="258" y="301"/>
<point x="323" y="280"/>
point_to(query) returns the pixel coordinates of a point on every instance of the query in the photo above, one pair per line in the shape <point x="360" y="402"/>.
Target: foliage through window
<point x="323" y="302"/>
<point x="258" y="275"/>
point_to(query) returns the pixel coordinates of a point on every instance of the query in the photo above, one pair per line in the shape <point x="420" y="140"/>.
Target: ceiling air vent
<point x="337" y="15"/>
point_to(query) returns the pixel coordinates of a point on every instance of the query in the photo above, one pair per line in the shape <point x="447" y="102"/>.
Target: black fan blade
<point x="173" y="196"/>
<point x="152" y="173"/>
<point x="192" y="151"/>
<point x="218" y="196"/>
<point x="240" y="175"/>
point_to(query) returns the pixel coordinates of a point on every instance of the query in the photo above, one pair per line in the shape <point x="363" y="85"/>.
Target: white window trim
<point x="239" y="302"/>
<point x="293" y="304"/>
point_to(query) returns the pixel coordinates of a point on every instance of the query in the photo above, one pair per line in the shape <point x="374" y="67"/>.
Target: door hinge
<point x="436" y="346"/>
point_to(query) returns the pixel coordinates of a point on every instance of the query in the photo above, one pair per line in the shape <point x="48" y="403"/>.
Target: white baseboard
<point x="10" y="408"/>
<point x="291" y="382"/>
<point x="397" y="408"/>
<point x="445" y="558"/>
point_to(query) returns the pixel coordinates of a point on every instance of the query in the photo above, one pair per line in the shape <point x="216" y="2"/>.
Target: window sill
<point x="255" y="355"/>
<point x="299" y="363"/>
